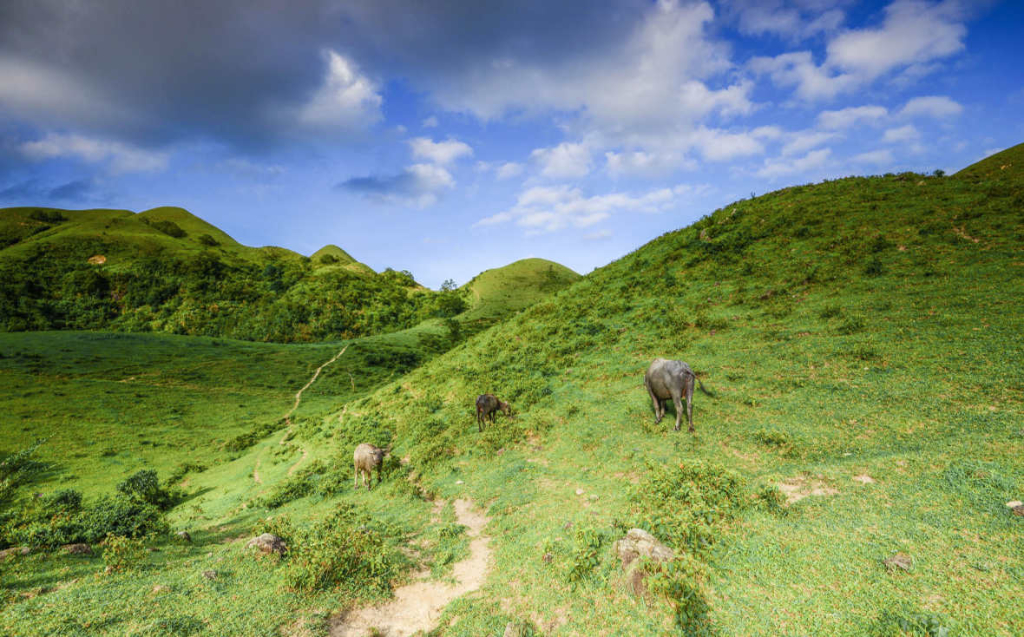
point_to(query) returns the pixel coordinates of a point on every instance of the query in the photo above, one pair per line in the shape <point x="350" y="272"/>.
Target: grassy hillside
<point x="493" y="293"/>
<point x="165" y="270"/>
<point x="863" y="339"/>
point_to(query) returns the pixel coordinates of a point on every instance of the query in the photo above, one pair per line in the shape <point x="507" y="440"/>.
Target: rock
<point x="547" y="557"/>
<point x="459" y="482"/>
<point x="210" y="574"/>
<point x="78" y="549"/>
<point x="268" y="543"/>
<point x="580" y="491"/>
<point x="1019" y="510"/>
<point x="898" y="561"/>
<point x="15" y="550"/>
<point x="160" y="588"/>
<point x="184" y="536"/>
<point x="640" y="543"/>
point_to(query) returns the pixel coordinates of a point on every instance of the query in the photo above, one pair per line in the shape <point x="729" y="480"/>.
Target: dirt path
<point x="288" y="419"/>
<point x="417" y="606"/>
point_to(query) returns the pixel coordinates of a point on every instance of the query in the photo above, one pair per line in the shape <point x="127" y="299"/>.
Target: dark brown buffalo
<point x="486" y="405"/>
<point x="666" y="379"/>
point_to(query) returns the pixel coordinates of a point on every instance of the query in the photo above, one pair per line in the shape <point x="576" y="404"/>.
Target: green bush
<point x="169" y="228"/>
<point x="123" y="553"/>
<point x="145" y="486"/>
<point x="682" y="582"/>
<point x="682" y="504"/>
<point x="347" y="549"/>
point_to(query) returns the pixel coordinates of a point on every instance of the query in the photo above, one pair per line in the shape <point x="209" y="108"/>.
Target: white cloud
<point x="645" y="164"/>
<point x="243" y="168"/>
<point x="877" y="157"/>
<point x="902" y="134"/>
<point x="565" y="161"/>
<point x="847" y="117"/>
<point x="789" y="20"/>
<point x="509" y="170"/>
<point x="779" y="167"/>
<point x="598" y="235"/>
<point x="913" y="32"/>
<point x="442" y="153"/>
<point x="544" y="209"/>
<point x="121" y="158"/>
<point x="345" y="101"/>
<point x="798" y="69"/>
<point x="912" y="37"/>
<point x="719" y="145"/>
<point x="806" y="140"/>
<point x="430" y="122"/>
<point x="936" y="106"/>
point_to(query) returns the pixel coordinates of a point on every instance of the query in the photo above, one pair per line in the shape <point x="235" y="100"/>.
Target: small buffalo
<point x="366" y="458"/>
<point x="486" y="405"/>
<point x="666" y="379"/>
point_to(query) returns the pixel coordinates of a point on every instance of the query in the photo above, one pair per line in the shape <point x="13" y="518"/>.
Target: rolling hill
<point x="850" y="476"/>
<point x="165" y="270"/>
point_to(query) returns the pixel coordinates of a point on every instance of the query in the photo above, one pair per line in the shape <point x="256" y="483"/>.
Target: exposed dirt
<point x="417" y="606"/>
<point x="796" y="489"/>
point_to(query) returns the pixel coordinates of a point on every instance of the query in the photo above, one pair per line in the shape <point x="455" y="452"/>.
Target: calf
<point x="366" y="458"/>
<point x="486" y="405"/>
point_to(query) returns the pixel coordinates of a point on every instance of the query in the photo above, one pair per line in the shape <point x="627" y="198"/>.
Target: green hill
<point x="166" y="270"/>
<point x="494" y="293"/>
<point x="863" y="339"/>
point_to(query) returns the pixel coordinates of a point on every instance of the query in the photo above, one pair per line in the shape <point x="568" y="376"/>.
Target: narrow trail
<point x="288" y="420"/>
<point x="418" y="605"/>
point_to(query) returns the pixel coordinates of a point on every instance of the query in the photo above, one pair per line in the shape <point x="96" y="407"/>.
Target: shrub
<point x="47" y="216"/>
<point x="681" y="581"/>
<point x="349" y="549"/>
<point x="120" y="515"/>
<point x="145" y="486"/>
<point x="830" y="311"/>
<point x="874" y="267"/>
<point x="682" y="504"/>
<point x="169" y="228"/>
<point x="123" y="553"/>
<point x="585" y="555"/>
<point x="773" y="438"/>
<point x="207" y="240"/>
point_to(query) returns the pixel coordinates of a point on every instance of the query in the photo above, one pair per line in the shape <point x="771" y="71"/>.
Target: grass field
<point x="862" y="337"/>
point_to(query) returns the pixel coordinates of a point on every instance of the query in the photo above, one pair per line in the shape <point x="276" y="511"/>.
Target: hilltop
<point x="492" y="294"/>
<point x="862" y="337"/>
<point x="166" y="270"/>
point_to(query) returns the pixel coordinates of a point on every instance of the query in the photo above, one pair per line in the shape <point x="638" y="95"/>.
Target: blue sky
<point x="446" y="138"/>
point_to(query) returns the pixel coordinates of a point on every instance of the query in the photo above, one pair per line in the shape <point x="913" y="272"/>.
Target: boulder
<point x="639" y="543"/>
<point x="268" y="543"/>
<point x="78" y="549"/>
<point x="210" y="574"/>
<point x="184" y="536"/>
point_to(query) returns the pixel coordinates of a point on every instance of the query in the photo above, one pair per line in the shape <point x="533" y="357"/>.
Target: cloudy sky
<point x="448" y="137"/>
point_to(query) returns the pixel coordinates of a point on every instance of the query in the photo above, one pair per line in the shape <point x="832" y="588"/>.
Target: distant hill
<point x="167" y="270"/>
<point x="496" y="292"/>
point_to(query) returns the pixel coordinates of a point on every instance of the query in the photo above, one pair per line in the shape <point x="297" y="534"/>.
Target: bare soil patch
<point x="417" y="606"/>
<point x="796" y="489"/>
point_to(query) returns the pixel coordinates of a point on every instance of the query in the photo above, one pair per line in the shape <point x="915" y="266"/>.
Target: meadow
<point x="862" y="337"/>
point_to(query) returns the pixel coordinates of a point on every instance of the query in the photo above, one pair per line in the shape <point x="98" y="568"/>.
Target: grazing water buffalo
<point x="666" y="379"/>
<point x="366" y="458"/>
<point x="486" y="405"/>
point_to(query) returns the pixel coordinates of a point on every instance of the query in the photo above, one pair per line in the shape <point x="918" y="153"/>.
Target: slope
<point x="862" y="337"/>
<point x="494" y="293"/>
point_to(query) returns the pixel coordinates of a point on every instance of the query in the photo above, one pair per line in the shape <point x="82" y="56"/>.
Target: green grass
<point x="863" y="338"/>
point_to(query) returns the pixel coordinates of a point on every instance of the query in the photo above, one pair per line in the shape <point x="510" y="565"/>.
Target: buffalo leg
<point x="689" y="402"/>
<point x="677" y="401"/>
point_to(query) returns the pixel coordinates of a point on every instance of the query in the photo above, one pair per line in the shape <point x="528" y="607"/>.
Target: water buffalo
<point x="666" y="379"/>
<point x="366" y="458"/>
<point x="486" y="405"/>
